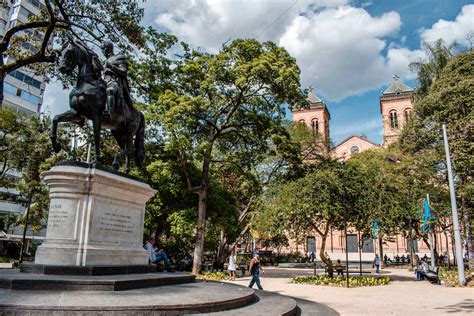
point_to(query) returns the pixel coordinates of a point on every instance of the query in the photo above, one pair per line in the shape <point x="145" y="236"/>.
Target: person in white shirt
<point x="232" y="265"/>
<point x="156" y="257"/>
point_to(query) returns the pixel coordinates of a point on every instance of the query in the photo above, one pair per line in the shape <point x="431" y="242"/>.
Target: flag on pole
<point x="375" y="229"/>
<point x="428" y="218"/>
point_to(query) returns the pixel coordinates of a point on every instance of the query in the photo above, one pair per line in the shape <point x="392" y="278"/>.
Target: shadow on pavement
<point x="464" y="306"/>
<point x="306" y="307"/>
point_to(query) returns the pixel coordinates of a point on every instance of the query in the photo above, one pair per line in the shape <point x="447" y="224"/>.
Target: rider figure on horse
<point x="115" y="76"/>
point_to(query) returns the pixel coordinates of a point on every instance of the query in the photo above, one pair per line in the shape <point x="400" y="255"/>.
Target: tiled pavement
<point x="403" y="296"/>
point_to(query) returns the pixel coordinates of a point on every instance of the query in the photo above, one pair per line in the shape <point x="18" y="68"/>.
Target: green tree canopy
<point x="224" y="109"/>
<point x="450" y="101"/>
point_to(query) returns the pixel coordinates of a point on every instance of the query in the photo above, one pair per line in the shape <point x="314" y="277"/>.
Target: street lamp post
<point x="454" y="209"/>
<point x="345" y="226"/>
<point x="347" y="253"/>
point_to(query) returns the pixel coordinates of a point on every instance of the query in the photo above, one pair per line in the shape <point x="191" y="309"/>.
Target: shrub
<point x="354" y="281"/>
<point x="212" y="276"/>
<point x="449" y="277"/>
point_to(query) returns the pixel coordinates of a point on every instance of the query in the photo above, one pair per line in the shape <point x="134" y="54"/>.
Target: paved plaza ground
<point x="403" y="296"/>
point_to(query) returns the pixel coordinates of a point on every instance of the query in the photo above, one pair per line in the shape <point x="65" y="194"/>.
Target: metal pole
<point x="411" y="245"/>
<point x="89" y="153"/>
<point x="456" y="228"/>
<point x="430" y="235"/>
<point x="361" y="243"/>
<point x="347" y="253"/>
<point x="25" y="228"/>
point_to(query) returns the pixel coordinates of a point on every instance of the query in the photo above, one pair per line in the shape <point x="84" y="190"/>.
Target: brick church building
<point x="396" y="104"/>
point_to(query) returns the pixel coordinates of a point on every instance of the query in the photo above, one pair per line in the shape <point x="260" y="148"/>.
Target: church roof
<point x="397" y="87"/>
<point x="365" y="139"/>
<point x="313" y="99"/>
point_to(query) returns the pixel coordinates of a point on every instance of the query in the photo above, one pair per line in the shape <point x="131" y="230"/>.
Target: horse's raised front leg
<point x="96" y="125"/>
<point x="68" y="116"/>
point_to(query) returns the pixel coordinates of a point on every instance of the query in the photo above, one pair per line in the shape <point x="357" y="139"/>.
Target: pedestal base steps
<point x="139" y="294"/>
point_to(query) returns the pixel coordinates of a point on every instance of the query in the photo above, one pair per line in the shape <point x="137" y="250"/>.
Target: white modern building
<point x="23" y="90"/>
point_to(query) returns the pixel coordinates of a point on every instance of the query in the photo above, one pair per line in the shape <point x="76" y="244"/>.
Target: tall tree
<point x="223" y="109"/>
<point x="429" y="69"/>
<point x="311" y="203"/>
<point x="450" y="101"/>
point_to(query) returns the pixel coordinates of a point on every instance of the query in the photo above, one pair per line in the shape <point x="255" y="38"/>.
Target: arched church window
<point x="315" y="125"/>
<point x="393" y="119"/>
<point x="301" y="121"/>
<point x="354" y="150"/>
<point x="407" y="115"/>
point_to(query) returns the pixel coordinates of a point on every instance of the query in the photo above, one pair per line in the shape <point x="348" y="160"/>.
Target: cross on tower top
<point x="396" y="77"/>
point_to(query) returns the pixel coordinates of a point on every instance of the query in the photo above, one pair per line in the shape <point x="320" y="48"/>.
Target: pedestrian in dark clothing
<point x="254" y="271"/>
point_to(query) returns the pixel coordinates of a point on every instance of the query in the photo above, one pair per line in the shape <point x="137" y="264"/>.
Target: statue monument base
<point x="95" y="218"/>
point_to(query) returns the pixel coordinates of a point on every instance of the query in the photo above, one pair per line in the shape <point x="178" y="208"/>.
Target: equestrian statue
<point x="105" y="101"/>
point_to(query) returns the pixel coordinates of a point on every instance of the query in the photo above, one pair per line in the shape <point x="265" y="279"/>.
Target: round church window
<point x="354" y="150"/>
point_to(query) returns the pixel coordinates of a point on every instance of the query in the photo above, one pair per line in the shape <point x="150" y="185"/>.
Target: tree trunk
<point x="361" y="242"/>
<point x="200" y="231"/>
<point x="325" y="259"/>
<point x="447" y="248"/>
<point x="468" y="232"/>
<point x="382" y="264"/>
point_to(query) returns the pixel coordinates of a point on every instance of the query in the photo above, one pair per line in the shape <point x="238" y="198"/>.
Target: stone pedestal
<point x="95" y="217"/>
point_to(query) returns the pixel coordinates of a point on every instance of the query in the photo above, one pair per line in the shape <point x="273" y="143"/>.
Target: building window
<point x="9" y="88"/>
<point x="352" y="245"/>
<point x="25" y="78"/>
<point x="25" y="12"/>
<point x="368" y="245"/>
<point x="393" y="119"/>
<point x="407" y="115"/>
<point x="37" y="4"/>
<point x="29" y="97"/>
<point x="20" y="93"/>
<point x="315" y="125"/>
<point x="301" y="121"/>
<point x="354" y="150"/>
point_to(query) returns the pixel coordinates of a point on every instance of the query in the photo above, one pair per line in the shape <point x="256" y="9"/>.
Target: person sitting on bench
<point x="339" y="268"/>
<point x="156" y="257"/>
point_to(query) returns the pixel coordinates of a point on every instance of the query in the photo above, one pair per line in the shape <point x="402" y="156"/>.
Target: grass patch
<point x="339" y="281"/>
<point x="212" y="276"/>
<point x="450" y="277"/>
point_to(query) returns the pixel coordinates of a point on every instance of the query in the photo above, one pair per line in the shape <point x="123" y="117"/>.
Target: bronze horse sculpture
<point x="87" y="101"/>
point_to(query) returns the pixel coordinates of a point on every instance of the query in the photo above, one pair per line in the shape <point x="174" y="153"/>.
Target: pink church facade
<point x="396" y="104"/>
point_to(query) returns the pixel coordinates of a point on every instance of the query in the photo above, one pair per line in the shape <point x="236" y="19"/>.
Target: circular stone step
<point x="265" y="303"/>
<point x="15" y="280"/>
<point x="198" y="297"/>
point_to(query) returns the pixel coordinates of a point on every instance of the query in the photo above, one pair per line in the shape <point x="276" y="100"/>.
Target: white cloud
<point x="398" y="60"/>
<point x="452" y="31"/>
<point x="210" y="23"/>
<point x="340" y="50"/>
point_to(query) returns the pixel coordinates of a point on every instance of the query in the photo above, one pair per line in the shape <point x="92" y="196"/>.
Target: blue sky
<point x="347" y="50"/>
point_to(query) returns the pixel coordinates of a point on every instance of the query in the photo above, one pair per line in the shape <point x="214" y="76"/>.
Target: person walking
<point x="232" y="265"/>
<point x="254" y="271"/>
<point x="377" y="263"/>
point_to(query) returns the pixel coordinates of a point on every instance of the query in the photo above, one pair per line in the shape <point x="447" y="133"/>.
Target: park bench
<point x="432" y="276"/>
<point x="344" y="269"/>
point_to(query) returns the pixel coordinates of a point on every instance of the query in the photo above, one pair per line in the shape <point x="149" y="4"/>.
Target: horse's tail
<point x="140" y="142"/>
